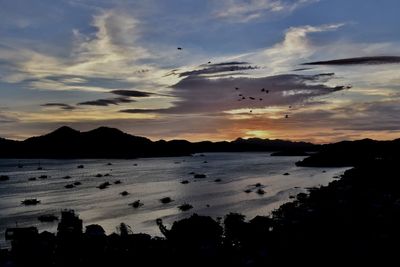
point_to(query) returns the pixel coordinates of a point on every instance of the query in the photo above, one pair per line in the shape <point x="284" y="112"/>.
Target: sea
<point x="231" y="184"/>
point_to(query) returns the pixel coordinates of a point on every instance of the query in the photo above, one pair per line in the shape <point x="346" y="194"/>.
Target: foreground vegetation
<point x="355" y="218"/>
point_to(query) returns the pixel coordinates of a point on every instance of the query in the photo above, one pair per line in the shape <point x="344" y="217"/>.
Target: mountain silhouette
<point x="352" y="153"/>
<point x="104" y="142"/>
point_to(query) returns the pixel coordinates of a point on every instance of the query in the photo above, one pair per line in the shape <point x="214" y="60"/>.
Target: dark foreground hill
<point x="106" y="142"/>
<point x="353" y="220"/>
<point x="352" y="153"/>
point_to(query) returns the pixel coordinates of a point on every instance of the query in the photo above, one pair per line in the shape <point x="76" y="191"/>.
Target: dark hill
<point x="107" y="142"/>
<point x="352" y="153"/>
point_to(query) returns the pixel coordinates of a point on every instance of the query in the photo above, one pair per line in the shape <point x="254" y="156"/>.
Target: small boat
<point x="185" y="182"/>
<point x="117" y="182"/>
<point x="136" y="204"/>
<point x="80" y="166"/>
<point x="247" y="191"/>
<point x="30" y="201"/>
<point x="166" y="200"/>
<point x="69" y="186"/>
<point x="104" y="185"/>
<point x="67" y="177"/>
<point x="124" y="193"/>
<point x="32" y="179"/>
<point x="185" y="207"/>
<point x="4" y="178"/>
<point x="77" y="183"/>
<point x="200" y="175"/>
<point x="260" y="191"/>
<point x="43" y="177"/>
<point x="217" y="180"/>
<point x="99" y="175"/>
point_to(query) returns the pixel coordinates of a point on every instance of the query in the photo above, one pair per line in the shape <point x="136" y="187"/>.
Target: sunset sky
<point x="116" y="63"/>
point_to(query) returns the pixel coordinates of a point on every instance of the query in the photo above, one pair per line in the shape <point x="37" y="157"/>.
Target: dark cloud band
<point x="358" y="61"/>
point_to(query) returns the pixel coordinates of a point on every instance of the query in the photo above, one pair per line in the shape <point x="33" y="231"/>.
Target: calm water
<point x="149" y="180"/>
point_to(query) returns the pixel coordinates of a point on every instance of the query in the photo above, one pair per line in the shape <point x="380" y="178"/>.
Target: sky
<point x="311" y="70"/>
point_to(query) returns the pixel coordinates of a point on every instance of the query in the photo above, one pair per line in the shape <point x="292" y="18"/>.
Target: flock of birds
<point x="252" y="98"/>
<point x="242" y="97"/>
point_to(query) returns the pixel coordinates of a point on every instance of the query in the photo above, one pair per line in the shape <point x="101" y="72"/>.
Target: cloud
<point x="217" y="69"/>
<point x="142" y="111"/>
<point x="107" y="55"/>
<point x="59" y="105"/>
<point x="202" y="95"/>
<point x="377" y="60"/>
<point x="131" y="93"/>
<point x="242" y="11"/>
<point x="107" y="102"/>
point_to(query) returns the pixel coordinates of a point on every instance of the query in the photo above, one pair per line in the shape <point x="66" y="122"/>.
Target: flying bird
<point x="237" y="88"/>
<point x="179" y="48"/>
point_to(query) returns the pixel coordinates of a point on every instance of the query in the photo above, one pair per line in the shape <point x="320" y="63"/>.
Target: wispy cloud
<point x="107" y="102"/>
<point x="59" y="105"/>
<point x="245" y="11"/>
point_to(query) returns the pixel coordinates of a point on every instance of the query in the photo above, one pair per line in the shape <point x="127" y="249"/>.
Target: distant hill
<point x="107" y="142"/>
<point x="352" y="153"/>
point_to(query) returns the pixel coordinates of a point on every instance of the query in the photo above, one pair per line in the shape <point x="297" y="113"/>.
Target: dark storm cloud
<point x="59" y="105"/>
<point x="107" y="102"/>
<point x="200" y="95"/>
<point x="358" y="61"/>
<point x="131" y="93"/>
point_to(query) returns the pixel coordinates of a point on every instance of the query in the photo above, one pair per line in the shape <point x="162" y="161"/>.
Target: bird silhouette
<point x="179" y="48"/>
